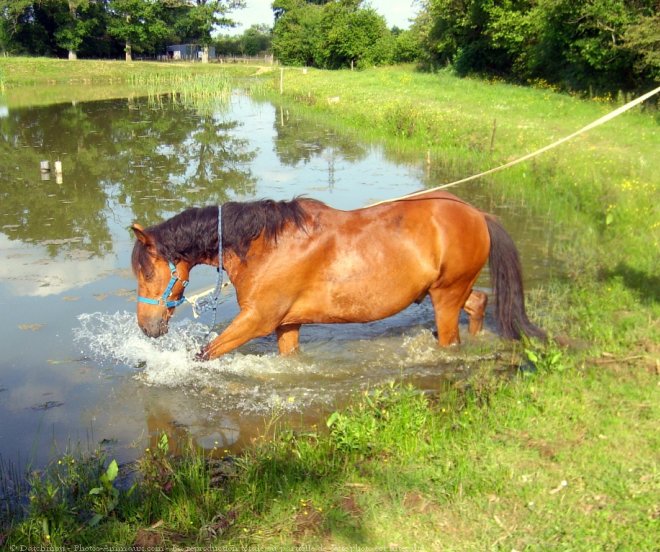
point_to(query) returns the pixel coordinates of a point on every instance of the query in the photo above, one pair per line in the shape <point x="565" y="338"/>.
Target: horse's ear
<point x="142" y="235"/>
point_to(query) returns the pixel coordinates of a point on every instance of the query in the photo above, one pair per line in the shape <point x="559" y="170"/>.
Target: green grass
<point x="21" y="71"/>
<point x="563" y="458"/>
<point x="53" y="81"/>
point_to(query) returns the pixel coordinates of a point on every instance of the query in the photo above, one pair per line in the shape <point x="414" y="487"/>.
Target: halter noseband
<point x="165" y="298"/>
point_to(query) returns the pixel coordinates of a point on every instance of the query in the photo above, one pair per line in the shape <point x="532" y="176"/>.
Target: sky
<point x="396" y="12"/>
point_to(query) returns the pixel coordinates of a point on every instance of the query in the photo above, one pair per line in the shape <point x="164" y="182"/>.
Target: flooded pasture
<point x="75" y="368"/>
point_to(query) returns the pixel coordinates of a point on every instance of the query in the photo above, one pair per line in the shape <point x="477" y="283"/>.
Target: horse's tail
<point x="506" y="278"/>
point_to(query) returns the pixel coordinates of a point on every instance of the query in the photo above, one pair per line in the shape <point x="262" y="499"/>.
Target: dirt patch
<point x="308" y="519"/>
<point x="218" y="525"/>
<point x="349" y="505"/>
<point x="146" y="539"/>
<point x="416" y="503"/>
<point x="595" y="502"/>
<point x="546" y="449"/>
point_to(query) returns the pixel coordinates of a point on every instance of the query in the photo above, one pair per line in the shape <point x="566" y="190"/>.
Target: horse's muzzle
<point x="154" y="328"/>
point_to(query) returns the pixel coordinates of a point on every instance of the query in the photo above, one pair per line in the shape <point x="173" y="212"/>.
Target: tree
<point x="75" y="24"/>
<point x="296" y="31"/>
<point x="255" y="40"/>
<point x="11" y="15"/>
<point x="643" y="38"/>
<point x="604" y="44"/>
<point x="28" y="26"/>
<point x="203" y="17"/>
<point x="354" y="36"/>
<point x="330" y="34"/>
<point x="138" y="23"/>
<point x="407" y="47"/>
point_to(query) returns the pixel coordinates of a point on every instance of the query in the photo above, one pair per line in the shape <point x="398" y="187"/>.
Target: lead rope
<point x="198" y="302"/>
<point x="596" y="123"/>
<point x="218" y="285"/>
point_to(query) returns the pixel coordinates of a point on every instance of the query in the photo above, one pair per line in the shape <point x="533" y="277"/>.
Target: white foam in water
<point x="420" y="348"/>
<point x="246" y="381"/>
<point x="117" y="338"/>
<point x="253" y="382"/>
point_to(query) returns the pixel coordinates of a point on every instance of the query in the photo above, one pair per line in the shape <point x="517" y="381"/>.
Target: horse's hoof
<point x="202" y="355"/>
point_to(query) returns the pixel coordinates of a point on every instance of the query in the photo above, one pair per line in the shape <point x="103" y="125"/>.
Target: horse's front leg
<point x="248" y="325"/>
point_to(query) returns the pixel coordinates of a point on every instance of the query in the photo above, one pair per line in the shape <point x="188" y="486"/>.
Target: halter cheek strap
<point x="165" y="300"/>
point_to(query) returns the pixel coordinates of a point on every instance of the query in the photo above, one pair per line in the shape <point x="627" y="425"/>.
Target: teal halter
<point x="165" y="300"/>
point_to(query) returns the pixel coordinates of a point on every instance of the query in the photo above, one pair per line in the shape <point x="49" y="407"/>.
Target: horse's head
<point x="161" y="283"/>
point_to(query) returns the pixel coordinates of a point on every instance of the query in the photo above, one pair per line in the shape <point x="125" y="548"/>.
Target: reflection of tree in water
<point x="153" y="157"/>
<point x="300" y="140"/>
<point x="184" y="158"/>
<point x="35" y="210"/>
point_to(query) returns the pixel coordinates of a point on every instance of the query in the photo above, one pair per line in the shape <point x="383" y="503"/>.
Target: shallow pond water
<point x="75" y="368"/>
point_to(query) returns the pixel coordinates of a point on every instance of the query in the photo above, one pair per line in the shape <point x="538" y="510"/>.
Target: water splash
<point x="248" y="382"/>
<point x="334" y="364"/>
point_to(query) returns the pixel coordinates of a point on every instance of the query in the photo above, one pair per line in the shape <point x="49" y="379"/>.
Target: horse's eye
<point x="147" y="272"/>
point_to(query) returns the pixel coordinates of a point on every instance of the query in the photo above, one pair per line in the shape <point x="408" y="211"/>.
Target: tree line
<point x="109" y="28"/>
<point x="576" y="44"/>
<point x="572" y="44"/>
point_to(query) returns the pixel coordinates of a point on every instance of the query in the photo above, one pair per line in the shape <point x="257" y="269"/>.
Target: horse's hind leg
<point x="447" y="304"/>
<point x="287" y="339"/>
<point x="475" y="306"/>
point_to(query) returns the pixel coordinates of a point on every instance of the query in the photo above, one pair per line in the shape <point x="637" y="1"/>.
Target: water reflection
<point x="151" y="157"/>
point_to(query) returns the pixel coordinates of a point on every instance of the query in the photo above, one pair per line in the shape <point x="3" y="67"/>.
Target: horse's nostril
<point x="154" y="328"/>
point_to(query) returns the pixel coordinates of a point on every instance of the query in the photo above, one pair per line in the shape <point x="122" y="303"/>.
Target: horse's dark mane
<point x="189" y="236"/>
<point x="244" y="222"/>
<point x="192" y="235"/>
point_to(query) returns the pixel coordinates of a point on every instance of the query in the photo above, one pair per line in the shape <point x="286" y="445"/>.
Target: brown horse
<point x="301" y="262"/>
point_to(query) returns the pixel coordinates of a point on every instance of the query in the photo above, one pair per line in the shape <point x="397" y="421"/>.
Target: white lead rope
<point x="198" y="301"/>
<point x="596" y="123"/>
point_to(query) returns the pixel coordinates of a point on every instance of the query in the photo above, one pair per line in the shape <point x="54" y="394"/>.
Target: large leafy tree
<point x="296" y="31"/>
<point x="75" y="24"/>
<point x="643" y="37"/>
<point x="138" y="23"/>
<point x="12" y="13"/>
<point x="255" y="40"/>
<point x="28" y="26"/>
<point x="575" y="43"/>
<point x="330" y="34"/>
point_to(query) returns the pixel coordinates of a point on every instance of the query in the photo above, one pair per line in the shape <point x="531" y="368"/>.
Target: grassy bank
<point x="562" y="456"/>
<point x="20" y="71"/>
<point x="43" y="81"/>
<point x="565" y="458"/>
